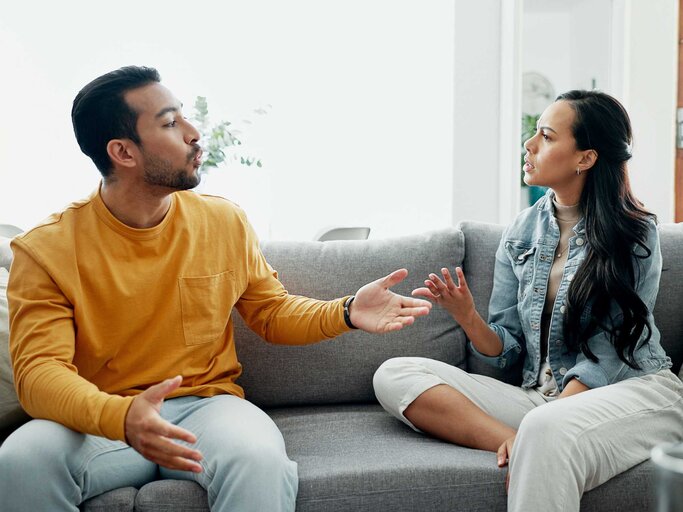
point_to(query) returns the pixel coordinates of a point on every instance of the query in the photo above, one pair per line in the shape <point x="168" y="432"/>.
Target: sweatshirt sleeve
<point x="275" y="315"/>
<point x="42" y="345"/>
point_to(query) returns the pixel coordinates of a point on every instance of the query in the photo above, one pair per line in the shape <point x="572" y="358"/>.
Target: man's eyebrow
<point x="166" y="110"/>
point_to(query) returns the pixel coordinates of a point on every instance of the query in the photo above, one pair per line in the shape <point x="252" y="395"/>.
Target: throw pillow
<point x="5" y="252"/>
<point x="11" y="413"/>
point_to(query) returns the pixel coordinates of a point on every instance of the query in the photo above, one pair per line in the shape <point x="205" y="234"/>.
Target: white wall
<point x="649" y="93"/>
<point x="384" y="113"/>
<point x="360" y="130"/>
<point x="476" y="110"/>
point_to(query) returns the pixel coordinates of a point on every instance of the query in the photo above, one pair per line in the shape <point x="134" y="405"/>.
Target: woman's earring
<point x="578" y="171"/>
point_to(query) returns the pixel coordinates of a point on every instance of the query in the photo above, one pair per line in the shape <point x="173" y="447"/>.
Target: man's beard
<point x="160" y="172"/>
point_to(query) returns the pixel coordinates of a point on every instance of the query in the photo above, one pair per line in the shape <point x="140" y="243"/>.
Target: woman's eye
<point x="171" y="124"/>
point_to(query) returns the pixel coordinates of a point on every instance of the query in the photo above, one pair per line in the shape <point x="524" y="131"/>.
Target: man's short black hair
<point x="100" y="113"/>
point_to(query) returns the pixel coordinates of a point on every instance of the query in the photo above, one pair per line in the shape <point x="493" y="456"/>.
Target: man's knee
<point x="39" y="445"/>
<point x="37" y="454"/>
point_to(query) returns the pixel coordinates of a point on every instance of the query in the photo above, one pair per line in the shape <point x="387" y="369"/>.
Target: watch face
<point x="537" y="93"/>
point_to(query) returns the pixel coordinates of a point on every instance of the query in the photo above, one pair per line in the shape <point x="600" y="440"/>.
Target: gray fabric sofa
<point x="352" y="456"/>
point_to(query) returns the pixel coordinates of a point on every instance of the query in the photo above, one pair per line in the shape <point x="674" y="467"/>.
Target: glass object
<point x="668" y="459"/>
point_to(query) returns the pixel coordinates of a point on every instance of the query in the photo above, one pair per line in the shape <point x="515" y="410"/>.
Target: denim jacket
<point x="523" y="261"/>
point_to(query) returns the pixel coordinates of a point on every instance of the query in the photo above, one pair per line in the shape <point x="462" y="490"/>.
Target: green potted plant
<point x="221" y="141"/>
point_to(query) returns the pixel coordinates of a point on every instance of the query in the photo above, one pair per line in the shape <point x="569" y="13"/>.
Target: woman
<point x="575" y="282"/>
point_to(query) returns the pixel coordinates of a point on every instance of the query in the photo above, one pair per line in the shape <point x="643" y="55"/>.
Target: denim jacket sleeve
<point x="503" y="313"/>
<point x="610" y="368"/>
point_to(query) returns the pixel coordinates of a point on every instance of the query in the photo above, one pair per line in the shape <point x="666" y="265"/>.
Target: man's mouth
<point x="197" y="157"/>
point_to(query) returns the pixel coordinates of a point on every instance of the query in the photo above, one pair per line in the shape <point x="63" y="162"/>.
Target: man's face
<point x="168" y="145"/>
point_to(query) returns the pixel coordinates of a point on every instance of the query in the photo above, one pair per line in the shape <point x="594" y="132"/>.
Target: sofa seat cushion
<point x="168" y="495"/>
<point x="118" y="500"/>
<point x="358" y="458"/>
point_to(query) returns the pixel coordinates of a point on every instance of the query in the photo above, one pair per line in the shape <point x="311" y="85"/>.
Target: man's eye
<point x="171" y="124"/>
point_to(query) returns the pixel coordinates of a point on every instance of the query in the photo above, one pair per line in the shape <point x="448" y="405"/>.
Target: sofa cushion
<point x="341" y="370"/>
<point x="669" y="307"/>
<point x="167" y="495"/>
<point x="118" y="500"/>
<point x="11" y="413"/>
<point x="357" y="457"/>
<point x="361" y="458"/>
<point x="5" y="252"/>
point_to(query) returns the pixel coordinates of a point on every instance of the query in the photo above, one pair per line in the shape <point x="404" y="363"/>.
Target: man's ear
<point x="122" y="152"/>
<point x="588" y="159"/>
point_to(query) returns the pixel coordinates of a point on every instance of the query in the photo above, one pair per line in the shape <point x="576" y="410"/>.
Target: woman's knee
<point x="543" y="430"/>
<point x="393" y="375"/>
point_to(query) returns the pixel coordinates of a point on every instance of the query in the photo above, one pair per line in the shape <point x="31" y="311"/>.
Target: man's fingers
<point x="160" y="391"/>
<point x="173" y="462"/>
<point x="174" y="432"/>
<point x="394" y="278"/>
<point x="416" y="311"/>
<point x="165" y="452"/>
<point x="423" y="292"/>
<point x="399" y="324"/>
<point x="164" y="445"/>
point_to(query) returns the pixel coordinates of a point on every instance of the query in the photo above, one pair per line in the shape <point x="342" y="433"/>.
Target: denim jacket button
<point x="579" y="241"/>
<point x="570" y="277"/>
<point x="563" y="309"/>
<point x="563" y="371"/>
<point x="558" y="343"/>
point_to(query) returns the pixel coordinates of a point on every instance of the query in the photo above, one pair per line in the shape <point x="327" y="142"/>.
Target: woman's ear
<point x="122" y="153"/>
<point x="588" y="159"/>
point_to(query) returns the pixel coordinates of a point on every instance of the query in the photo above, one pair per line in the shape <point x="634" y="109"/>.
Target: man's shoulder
<point x="58" y="225"/>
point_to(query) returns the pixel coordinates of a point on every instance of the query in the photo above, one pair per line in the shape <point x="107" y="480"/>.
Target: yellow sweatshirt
<point x="100" y="311"/>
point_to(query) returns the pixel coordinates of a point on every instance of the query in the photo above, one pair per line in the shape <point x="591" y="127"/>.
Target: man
<point x="121" y="330"/>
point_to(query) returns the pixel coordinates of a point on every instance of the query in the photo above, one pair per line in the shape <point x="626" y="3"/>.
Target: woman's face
<point x="551" y="156"/>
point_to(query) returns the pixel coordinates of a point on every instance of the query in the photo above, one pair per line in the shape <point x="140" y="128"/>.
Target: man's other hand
<point x="153" y="437"/>
<point x="377" y="309"/>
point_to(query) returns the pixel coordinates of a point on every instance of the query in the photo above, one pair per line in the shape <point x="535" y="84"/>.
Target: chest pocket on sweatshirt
<point x="206" y="303"/>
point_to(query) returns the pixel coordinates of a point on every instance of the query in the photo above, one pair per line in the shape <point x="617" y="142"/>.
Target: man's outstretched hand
<point x="153" y="436"/>
<point x="377" y="309"/>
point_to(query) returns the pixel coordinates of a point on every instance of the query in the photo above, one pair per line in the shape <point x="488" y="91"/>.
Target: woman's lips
<point x="528" y="166"/>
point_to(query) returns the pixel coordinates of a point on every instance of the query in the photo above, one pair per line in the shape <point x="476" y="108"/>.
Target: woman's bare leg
<point x="447" y="414"/>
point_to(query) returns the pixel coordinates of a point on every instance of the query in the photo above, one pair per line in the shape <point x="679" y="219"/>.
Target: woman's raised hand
<point x="454" y="298"/>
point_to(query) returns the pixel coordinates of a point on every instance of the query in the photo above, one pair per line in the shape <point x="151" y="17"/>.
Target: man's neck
<point x="134" y="205"/>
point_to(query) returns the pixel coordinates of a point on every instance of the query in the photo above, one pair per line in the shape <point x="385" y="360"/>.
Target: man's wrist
<point x="347" y="312"/>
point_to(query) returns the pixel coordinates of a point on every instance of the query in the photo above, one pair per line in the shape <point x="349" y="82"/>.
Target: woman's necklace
<point x="561" y="251"/>
<point x="559" y="247"/>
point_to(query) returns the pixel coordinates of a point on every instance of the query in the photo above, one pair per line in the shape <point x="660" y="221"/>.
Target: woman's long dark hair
<point x="616" y="227"/>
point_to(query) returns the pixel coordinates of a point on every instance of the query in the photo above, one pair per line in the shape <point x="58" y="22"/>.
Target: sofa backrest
<point x="341" y="370"/>
<point x="481" y="241"/>
<point x="669" y="307"/>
